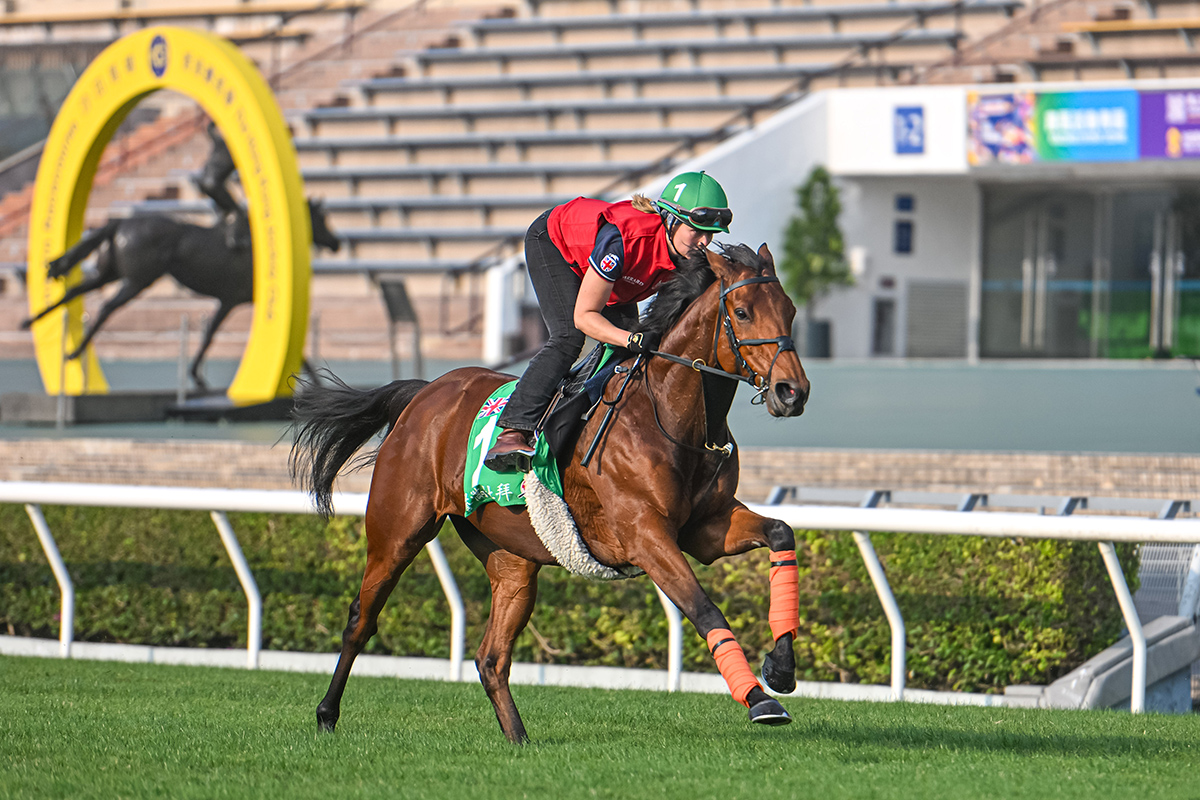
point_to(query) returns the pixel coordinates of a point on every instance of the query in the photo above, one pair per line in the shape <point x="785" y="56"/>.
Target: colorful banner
<point x="1000" y="128"/>
<point x="1024" y="127"/>
<point x="1087" y="126"/>
<point x="1170" y="124"/>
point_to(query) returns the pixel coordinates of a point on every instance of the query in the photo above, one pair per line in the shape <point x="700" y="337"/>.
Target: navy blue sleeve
<point x="608" y="257"/>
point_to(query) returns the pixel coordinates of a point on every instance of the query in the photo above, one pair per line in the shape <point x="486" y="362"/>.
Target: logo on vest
<point x="633" y="280"/>
<point x="609" y="264"/>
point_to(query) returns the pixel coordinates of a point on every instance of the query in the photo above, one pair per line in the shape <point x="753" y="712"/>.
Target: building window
<point x="903" y="242"/>
<point x="883" y="330"/>
<point x="905" y="203"/>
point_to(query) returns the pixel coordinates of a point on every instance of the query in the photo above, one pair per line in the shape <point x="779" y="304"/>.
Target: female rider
<point x="590" y="263"/>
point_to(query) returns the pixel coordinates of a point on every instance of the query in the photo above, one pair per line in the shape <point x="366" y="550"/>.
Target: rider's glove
<point x="643" y="342"/>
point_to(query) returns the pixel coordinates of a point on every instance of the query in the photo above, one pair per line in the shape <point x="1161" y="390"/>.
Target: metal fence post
<point x="674" y="641"/>
<point x="246" y="578"/>
<point x="1137" y="694"/>
<point x="882" y="588"/>
<point x="457" y="612"/>
<point x="66" y="619"/>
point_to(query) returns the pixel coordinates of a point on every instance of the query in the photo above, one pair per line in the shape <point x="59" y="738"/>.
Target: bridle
<point x="784" y="344"/>
<point x="719" y="385"/>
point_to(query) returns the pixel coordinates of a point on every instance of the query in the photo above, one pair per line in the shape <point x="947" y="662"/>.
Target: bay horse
<point x="139" y="250"/>
<point x="656" y="488"/>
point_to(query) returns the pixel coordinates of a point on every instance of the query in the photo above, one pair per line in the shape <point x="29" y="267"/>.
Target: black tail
<point x="90" y="242"/>
<point x="331" y="422"/>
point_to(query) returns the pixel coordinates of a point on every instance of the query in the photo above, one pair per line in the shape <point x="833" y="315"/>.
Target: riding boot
<point x="512" y="452"/>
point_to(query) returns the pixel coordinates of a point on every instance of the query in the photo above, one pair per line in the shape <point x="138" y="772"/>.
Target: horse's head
<point x="754" y="327"/>
<point x="322" y="236"/>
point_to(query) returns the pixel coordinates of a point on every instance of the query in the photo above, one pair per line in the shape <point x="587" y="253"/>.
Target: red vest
<point x="573" y="227"/>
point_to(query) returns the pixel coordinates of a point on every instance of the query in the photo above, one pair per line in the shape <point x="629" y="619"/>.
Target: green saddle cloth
<point x="482" y="485"/>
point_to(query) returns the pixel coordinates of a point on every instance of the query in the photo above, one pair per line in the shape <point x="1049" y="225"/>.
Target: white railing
<point x="1104" y="530"/>
<point x="217" y="502"/>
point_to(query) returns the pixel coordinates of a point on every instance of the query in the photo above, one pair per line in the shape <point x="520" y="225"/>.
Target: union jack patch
<point x="609" y="263"/>
<point x="492" y="407"/>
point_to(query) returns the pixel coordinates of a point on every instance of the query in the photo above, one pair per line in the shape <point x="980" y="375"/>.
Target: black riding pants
<point x="556" y="286"/>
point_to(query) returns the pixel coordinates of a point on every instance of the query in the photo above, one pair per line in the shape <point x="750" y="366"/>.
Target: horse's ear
<point x="721" y="266"/>
<point x="768" y="260"/>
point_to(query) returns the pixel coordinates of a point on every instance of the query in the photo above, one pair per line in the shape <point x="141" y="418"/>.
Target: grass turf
<point x="91" y="729"/>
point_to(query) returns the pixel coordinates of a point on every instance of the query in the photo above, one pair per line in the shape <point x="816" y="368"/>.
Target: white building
<point x="1006" y="220"/>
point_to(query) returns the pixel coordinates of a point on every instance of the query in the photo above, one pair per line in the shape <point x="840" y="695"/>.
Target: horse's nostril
<point x="785" y="392"/>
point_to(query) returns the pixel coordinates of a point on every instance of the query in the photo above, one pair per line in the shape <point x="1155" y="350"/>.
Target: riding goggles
<point x="704" y="218"/>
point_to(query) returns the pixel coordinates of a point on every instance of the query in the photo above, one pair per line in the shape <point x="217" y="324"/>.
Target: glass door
<point x="1185" y="278"/>
<point x="1038" y="273"/>
<point x="1106" y="272"/>
<point x="1144" y="293"/>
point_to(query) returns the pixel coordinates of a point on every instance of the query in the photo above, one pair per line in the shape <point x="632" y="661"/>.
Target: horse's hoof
<point x="781" y="681"/>
<point x="769" y="712"/>
<point x="325" y="724"/>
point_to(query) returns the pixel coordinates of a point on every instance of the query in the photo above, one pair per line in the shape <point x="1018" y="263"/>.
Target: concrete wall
<point x="251" y="465"/>
<point x="863" y="131"/>
<point x="945" y="248"/>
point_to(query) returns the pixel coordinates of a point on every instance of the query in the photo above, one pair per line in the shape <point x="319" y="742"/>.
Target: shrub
<point x="981" y="613"/>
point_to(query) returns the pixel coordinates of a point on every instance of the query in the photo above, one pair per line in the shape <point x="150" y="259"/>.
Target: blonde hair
<point x="643" y="203"/>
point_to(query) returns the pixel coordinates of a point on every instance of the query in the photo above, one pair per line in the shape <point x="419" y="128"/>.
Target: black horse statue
<point x="140" y="250"/>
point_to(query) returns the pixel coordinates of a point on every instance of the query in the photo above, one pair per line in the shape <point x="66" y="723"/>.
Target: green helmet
<point x="698" y="200"/>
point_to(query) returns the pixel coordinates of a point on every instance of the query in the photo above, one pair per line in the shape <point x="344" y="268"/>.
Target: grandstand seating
<point x="216" y="17"/>
<point x="721" y="22"/>
<point x="1126" y="48"/>
<point x="435" y="148"/>
<point x="547" y="115"/>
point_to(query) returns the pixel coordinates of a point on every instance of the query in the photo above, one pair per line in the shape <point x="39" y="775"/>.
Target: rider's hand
<point x="643" y="342"/>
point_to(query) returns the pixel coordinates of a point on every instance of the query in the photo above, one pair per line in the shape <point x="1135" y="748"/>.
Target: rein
<point x="784" y="343"/>
<point x="719" y="386"/>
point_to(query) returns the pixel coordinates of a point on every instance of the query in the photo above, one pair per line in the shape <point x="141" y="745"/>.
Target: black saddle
<point x="577" y="397"/>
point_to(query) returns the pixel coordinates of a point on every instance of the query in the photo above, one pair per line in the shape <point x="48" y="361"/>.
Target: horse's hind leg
<point x="81" y="288"/>
<point x="127" y="292"/>
<point x="739" y="531"/>
<point x="390" y="550"/>
<point x="514" y="592"/>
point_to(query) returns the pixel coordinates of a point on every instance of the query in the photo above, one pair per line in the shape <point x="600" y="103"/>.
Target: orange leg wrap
<point x="732" y="663"/>
<point x="784" y="615"/>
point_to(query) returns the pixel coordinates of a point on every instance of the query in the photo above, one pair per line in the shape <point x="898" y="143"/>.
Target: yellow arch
<point x="215" y="74"/>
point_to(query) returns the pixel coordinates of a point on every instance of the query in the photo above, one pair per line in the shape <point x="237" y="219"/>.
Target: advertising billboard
<point x="1170" y="124"/>
<point x="1026" y="127"/>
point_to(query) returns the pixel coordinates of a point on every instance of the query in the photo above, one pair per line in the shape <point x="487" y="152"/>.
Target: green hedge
<point x="981" y="613"/>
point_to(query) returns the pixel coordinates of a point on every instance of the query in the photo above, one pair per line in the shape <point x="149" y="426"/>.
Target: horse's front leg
<point x="739" y="530"/>
<point x="657" y="552"/>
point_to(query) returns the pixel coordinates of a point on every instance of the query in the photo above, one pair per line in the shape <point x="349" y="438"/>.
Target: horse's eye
<point x="741" y="314"/>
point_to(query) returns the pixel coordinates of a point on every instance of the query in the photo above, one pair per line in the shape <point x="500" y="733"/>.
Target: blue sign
<point x="908" y="125"/>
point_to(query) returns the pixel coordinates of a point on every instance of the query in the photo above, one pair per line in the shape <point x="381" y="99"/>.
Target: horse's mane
<point x="689" y="283"/>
